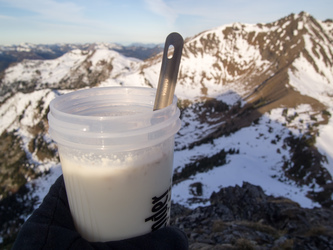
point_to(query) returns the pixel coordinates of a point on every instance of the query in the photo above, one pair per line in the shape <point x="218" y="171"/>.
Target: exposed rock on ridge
<point x="259" y="58"/>
<point x="246" y="218"/>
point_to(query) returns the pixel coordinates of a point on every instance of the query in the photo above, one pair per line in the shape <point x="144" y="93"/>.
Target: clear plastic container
<point x="117" y="159"/>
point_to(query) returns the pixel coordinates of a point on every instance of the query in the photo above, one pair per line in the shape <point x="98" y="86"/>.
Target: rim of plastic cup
<point x="83" y="117"/>
<point x="65" y="118"/>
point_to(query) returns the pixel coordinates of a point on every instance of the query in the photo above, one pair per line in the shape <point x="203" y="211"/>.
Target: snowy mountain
<point x="17" y="53"/>
<point x="256" y="102"/>
<point x="75" y="69"/>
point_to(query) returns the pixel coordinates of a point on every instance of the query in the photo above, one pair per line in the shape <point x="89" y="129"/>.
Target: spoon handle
<point x="169" y="71"/>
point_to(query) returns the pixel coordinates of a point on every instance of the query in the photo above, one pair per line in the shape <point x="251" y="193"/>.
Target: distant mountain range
<point x="256" y="104"/>
<point x="17" y="53"/>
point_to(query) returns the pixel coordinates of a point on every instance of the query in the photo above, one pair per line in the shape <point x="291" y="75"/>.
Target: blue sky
<point x="146" y="21"/>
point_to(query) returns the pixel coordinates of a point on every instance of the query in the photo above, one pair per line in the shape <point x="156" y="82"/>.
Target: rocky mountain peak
<point x="258" y="59"/>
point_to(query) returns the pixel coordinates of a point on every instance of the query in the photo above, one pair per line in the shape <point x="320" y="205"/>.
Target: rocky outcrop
<point x="246" y="218"/>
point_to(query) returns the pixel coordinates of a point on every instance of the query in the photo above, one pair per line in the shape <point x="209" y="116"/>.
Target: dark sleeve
<point x="163" y="239"/>
<point x="51" y="227"/>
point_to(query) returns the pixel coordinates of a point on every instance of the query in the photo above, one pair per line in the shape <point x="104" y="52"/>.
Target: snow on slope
<point x="51" y="71"/>
<point x="325" y="141"/>
<point x="259" y="160"/>
<point x="25" y="104"/>
<point x="316" y="80"/>
<point x="310" y="83"/>
<point x="54" y="71"/>
<point x="209" y="65"/>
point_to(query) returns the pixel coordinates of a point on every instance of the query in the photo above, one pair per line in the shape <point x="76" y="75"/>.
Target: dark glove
<point x="51" y="227"/>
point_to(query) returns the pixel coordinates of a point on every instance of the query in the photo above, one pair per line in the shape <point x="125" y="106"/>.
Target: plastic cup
<point x="117" y="159"/>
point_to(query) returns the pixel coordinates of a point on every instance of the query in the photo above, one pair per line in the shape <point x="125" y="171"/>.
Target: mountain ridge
<point x="16" y="53"/>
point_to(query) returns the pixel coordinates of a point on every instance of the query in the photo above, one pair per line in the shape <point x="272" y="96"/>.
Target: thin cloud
<point x="50" y="9"/>
<point x="159" y="7"/>
<point x="2" y="17"/>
